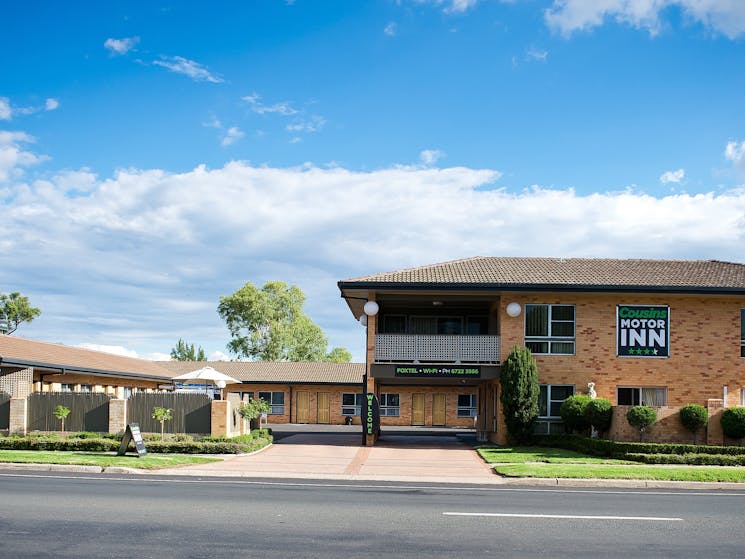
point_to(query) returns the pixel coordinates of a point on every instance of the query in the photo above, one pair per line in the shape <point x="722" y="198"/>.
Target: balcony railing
<point x="436" y="349"/>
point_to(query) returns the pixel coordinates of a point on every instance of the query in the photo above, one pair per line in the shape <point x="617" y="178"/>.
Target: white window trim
<point x="387" y="411"/>
<point x="549" y="400"/>
<point x="471" y="409"/>
<point x="357" y="406"/>
<point x="549" y="339"/>
<point x="276" y="409"/>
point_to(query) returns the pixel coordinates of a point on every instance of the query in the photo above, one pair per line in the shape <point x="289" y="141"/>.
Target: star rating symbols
<point x="646" y="351"/>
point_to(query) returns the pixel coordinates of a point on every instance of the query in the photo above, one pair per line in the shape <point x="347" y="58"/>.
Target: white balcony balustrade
<point x="436" y="349"/>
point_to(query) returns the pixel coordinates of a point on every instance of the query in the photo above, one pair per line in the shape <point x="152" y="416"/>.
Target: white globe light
<point x="371" y="308"/>
<point x="513" y="309"/>
<point x="220" y="384"/>
<point x="363" y="320"/>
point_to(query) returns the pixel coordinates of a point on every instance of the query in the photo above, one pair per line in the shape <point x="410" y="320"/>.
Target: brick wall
<point x="406" y="406"/>
<point x="704" y="352"/>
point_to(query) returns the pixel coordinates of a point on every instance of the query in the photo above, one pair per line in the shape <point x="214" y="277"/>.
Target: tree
<point x="641" y="417"/>
<point x="162" y="415"/>
<point x="339" y="355"/>
<point x="187" y="352"/>
<point x="15" y="309"/>
<point x="519" y="397"/>
<point x="598" y="414"/>
<point x="572" y="411"/>
<point x="694" y="417"/>
<point x="61" y="412"/>
<point x="269" y="324"/>
<point x="252" y="410"/>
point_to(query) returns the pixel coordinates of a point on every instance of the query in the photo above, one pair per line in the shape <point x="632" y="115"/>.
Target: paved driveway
<point x="338" y="456"/>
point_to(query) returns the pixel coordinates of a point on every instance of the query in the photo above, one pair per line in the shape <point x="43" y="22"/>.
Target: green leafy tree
<point x="269" y="324"/>
<point x="519" y="397"/>
<point x="14" y="310"/>
<point x="253" y="409"/>
<point x="598" y="414"/>
<point x="572" y="411"/>
<point x="694" y="417"/>
<point x="641" y="417"/>
<point x="733" y="422"/>
<point x="162" y="415"/>
<point x="61" y="413"/>
<point x="187" y="352"/>
<point x="339" y="355"/>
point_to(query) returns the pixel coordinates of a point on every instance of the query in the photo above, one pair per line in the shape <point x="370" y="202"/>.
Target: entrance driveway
<point x="338" y="455"/>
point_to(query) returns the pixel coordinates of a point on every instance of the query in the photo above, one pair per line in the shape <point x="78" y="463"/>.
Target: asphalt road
<point x="81" y="516"/>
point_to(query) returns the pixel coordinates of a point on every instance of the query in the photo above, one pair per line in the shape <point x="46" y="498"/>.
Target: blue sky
<point x="155" y="156"/>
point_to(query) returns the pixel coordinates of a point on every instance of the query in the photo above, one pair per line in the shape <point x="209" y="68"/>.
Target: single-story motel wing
<point x="662" y="333"/>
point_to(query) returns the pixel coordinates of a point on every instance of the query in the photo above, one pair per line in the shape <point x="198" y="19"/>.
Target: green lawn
<point x="559" y="463"/>
<point x="103" y="459"/>
<point x="522" y="454"/>
<point x="609" y="471"/>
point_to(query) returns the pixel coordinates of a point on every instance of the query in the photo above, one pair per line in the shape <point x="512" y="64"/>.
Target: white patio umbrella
<point x="206" y="374"/>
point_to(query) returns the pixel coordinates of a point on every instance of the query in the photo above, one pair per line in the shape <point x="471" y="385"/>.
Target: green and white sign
<point x="643" y="331"/>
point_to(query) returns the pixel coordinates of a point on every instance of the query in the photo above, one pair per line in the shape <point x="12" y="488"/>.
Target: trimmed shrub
<point x="641" y="417"/>
<point x="694" y="417"/>
<point x="519" y="395"/>
<point x="572" y="411"/>
<point x="598" y="414"/>
<point x="688" y="459"/>
<point x="86" y="435"/>
<point x="733" y="422"/>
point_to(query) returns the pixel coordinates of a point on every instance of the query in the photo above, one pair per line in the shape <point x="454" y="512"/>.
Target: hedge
<point x="229" y="446"/>
<point x="690" y="459"/>
<point x="616" y="449"/>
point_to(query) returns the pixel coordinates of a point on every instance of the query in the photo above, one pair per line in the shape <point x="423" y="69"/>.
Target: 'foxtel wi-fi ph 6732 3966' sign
<point x="643" y="331"/>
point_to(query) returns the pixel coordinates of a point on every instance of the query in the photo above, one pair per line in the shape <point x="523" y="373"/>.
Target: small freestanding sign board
<point x="132" y="434"/>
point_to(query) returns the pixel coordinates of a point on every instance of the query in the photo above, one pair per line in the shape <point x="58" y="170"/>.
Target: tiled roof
<point x="567" y="272"/>
<point x="279" y="371"/>
<point x="22" y="351"/>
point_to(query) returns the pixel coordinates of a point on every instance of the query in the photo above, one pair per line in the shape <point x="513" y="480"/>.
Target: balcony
<point x="396" y="348"/>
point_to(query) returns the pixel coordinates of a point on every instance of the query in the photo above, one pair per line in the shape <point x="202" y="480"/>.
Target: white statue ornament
<point x="591" y="390"/>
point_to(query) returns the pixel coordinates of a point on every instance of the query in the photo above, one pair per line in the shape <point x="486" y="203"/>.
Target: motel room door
<point x="324" y="413"/>
<point x="303" y="407"/>
<point x="417" y="409"/>
<point x="438" y="410"/>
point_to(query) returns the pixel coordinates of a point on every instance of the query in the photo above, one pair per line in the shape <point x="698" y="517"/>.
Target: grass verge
<point x="519" y="455"/>
<point x="102" y="459"/>
<point x="610" y="471"/>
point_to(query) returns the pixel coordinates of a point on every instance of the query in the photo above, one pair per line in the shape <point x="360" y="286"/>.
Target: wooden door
<point x="438" y="409"/>
<point x="303" y="407"/>
<point x="324" y="413"/>
<point x="417" y="409"/>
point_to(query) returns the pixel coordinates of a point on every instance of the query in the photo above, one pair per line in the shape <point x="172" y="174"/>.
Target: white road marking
<point x="562" y="516"/>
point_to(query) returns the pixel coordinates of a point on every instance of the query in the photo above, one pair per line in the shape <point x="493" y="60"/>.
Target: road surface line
<point x="562" y="516"/>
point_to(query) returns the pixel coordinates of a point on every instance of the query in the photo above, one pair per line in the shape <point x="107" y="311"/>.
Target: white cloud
<point x="6" y="113"/>
<point x="309" y="125"/>
<point x="51" y="104"/>
<point x="672" y="176"/>
<point x="219" y="356"/>
<point x="430" y="156"/>
<point x="141" y="258"/>
<point x="232" y="135"/>
<point x="537" y="55"/>
<point x="451" y="6"/>
<point x="735" y="152"/>
<point x="113" y="349"/>
<point x="390" y="29"/>
<point x="14" y="157"/>
<point x="723" y="16"/>
<point x="283" y="108"/>
<point x="121" y="46"/>
<point x="189" y="68"/>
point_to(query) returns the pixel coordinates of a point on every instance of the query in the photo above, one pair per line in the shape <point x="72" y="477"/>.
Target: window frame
<point x="387" y="409"/>
<point x="640" y="395"/>
<point x="356" y="407"/>
<point x="276" y="407"/>
<point x="550" y="339"/>
<point x="468" y="411"/>
<point x="67" y="387"/>
<point x="550" y="401"/>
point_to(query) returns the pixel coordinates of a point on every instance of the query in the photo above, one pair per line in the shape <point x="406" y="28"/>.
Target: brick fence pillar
<point x="117" y="415"/>
<point x="18" y="424"/>
<point x="714" y="433"/>
<point x="220" y="418"/>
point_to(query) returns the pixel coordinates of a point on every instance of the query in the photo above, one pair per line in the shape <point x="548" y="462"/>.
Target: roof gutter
<point x="84" y="370"/>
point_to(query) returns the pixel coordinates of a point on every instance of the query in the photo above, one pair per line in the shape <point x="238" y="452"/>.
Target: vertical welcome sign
<point x="643" y="331"/>
<point x="370" y="415"/>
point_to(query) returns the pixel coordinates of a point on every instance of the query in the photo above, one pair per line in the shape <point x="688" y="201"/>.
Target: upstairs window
<point x="549" y="329"/>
